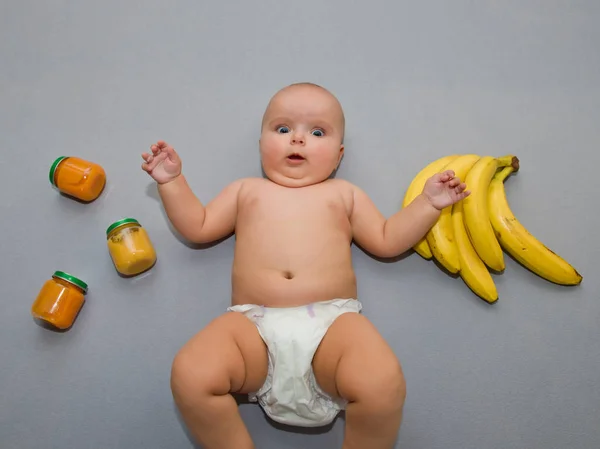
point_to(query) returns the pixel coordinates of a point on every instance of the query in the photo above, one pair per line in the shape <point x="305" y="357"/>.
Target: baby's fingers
<point x="171" y="154"/>
<point x="158" y="146"/>
<point x="446" y="175"/>
<point x="454" y="182"/>
<point x="460" y="187"/>
<point x="462" y="195"/>
<point x="148" y="158"/>
<point x="153" y="161"/>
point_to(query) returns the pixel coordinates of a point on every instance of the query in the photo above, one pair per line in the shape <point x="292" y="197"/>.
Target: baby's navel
<point x="288" y="275"/>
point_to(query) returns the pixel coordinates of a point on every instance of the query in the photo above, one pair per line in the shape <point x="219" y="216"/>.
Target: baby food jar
<point x="60" y="300"/>
<point x="77" y="178"/>
<point x="130" y="247"/>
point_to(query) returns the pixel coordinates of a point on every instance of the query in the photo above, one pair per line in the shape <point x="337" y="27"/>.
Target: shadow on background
<point x="243" y="399"/>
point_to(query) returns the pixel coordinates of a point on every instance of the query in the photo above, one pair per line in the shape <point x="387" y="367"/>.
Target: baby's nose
<point x="298" y="139"/>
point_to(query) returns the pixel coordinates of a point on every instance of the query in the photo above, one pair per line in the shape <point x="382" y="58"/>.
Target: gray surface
<point x="104" y="80"/>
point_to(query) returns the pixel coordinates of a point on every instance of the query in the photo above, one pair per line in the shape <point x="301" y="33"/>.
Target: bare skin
<point x="294" y="232"/>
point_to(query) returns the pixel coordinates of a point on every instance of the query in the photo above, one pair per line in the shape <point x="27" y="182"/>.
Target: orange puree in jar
<point x="130" y="247"/>
<point x="60" y="300"/>
<point x="77" y="178"/>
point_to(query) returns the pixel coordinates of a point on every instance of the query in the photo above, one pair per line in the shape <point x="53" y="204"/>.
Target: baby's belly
<point x="289" y="286"/>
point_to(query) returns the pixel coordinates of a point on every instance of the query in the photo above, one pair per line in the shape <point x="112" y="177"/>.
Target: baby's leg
<point x="354" y="362"/>
<point x="228" y="356"/>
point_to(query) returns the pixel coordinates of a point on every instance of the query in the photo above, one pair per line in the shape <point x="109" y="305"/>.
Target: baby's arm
<point x="193" y="220"/>
<point x="391" y="237"/>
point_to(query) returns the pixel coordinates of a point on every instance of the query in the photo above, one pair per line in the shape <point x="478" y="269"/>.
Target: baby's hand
<point x="163" y="164"/>
<point x="443" y="190"/>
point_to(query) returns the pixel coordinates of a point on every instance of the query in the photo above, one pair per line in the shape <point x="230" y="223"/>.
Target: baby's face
<point x="301" y="137"/>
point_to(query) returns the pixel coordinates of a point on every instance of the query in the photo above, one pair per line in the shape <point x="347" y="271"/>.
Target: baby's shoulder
<point x="249" y="183"/>
<point x="341" y="186"/>
<point x="343" y="190"/>
<point x="251" y="186"/>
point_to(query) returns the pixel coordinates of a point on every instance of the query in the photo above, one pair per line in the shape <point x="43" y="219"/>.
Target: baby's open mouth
<point x="295" y="157"/>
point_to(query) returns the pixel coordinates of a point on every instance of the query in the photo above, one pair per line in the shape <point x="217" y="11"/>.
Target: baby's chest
<point x="296" y="205"/>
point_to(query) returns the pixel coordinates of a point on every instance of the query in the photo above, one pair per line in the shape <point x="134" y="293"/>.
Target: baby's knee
<point x="386" y="390"/>
<point x="181" y="375"/>
<point x="191" y="377"/>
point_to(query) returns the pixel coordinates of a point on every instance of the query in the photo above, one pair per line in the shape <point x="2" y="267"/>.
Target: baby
<point x="294" y="339"/>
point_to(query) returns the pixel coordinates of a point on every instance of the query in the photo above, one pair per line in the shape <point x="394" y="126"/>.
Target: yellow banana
<point x="518" y="242"/>
<point x="416" y="187"/>
<point x="472" y="270"/>
<point x="440" y="237"/>
<point x="476" y="215"/>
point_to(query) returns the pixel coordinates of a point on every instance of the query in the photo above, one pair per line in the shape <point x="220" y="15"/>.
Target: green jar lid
<point x="53" y="168"/>
<point x="72" y="279"/>
<point x="120" y="223"/>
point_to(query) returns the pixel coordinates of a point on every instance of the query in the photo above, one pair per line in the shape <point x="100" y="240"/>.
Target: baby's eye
<point x="318" y="133"/>
<point x="283" y="130"/>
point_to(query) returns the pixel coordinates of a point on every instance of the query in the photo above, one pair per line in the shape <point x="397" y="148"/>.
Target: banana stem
<point x="504" y="173"/>
<point x="508" y="160"/>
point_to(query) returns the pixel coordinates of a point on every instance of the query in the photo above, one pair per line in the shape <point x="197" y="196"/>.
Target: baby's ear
<point x="341" y="154"/>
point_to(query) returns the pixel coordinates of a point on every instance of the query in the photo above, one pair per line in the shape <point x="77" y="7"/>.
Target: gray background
<point x="104" y="80"/>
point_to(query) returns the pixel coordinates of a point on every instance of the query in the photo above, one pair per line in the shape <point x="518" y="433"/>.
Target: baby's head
<point x="302" y="135"/>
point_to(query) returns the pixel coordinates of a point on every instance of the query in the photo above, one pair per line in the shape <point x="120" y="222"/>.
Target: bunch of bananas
<point x="468" y="237"/>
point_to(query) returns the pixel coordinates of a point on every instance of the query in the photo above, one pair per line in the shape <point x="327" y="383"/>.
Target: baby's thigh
<point x="355" y="362"/>
<point x="227" y="356"/>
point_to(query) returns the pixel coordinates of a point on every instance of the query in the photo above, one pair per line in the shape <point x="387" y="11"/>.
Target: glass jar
<point x="60" y="300"/>
<point x="77" y="178"/>
<point x="130" y="247"/>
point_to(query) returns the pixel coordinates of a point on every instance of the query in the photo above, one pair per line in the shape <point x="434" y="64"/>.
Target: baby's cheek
<point x="329" y="158"/>
<point x="272" y="149"/>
